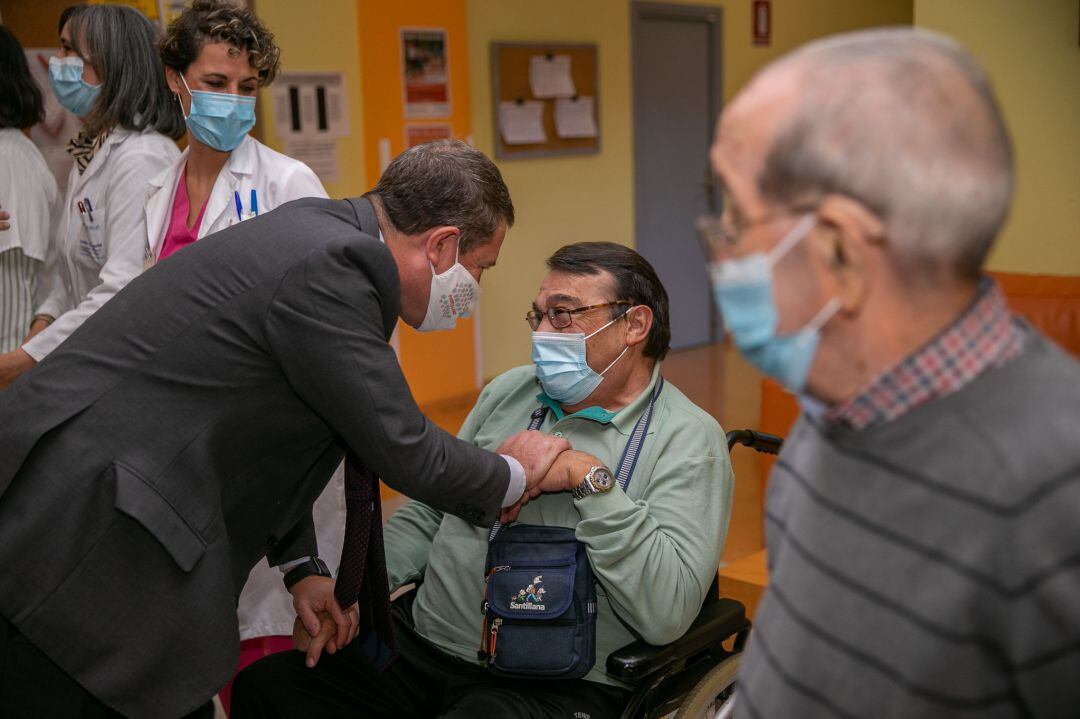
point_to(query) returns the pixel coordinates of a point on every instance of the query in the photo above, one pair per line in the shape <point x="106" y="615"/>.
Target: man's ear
<point x="848" y="239"/>
<point x="639" y="320"/>
<point x="441" y="246"/>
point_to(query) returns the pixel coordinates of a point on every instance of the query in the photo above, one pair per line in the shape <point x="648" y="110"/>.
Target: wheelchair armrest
<point x="715" y="623"/>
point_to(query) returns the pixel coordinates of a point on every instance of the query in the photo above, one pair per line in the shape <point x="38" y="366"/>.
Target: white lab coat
<point x="276" y="179"/>
<point x="265" y="607"/>
<point x="28" y="191"/>
<point x="94" y="259"/>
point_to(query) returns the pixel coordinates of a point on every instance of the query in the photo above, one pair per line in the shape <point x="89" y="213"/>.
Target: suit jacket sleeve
<point x="327" y="325"/>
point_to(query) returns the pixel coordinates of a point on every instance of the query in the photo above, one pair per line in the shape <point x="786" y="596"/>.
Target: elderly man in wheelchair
<point x="521" y="620"/>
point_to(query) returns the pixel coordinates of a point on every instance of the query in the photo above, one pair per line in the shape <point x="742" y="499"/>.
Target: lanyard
<point x="629" y="458"/>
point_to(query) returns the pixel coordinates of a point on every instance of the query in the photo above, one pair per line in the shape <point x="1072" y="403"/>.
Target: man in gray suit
<point x="185" y="430"/>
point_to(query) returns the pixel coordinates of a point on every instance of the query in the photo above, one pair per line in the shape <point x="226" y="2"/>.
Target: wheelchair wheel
<point x="709" y="699"/>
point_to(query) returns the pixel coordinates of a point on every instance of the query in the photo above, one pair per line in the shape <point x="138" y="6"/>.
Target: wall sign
<point x="762" y="19"/>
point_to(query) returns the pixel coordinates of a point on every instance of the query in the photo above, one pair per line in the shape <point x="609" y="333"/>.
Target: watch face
<point x="601" y="477"/>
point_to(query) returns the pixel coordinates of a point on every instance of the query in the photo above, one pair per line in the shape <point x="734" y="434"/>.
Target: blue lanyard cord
<point x="630" y="454"/>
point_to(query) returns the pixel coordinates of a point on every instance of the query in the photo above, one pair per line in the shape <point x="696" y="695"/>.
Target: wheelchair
<point x="694" y="676"/>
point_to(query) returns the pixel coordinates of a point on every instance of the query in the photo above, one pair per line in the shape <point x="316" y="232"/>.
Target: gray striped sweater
<point x="930" y="566"/>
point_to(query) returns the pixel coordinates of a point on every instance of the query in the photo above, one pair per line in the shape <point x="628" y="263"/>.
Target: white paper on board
<point x="551" y="77"/>
<point x="575" y="118"/>
<point x="522" y="123"/>
<point x="320" y="155"/>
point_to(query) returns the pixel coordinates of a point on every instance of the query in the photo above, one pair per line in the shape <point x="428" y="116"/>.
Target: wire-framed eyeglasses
<point x="561" y="318"/>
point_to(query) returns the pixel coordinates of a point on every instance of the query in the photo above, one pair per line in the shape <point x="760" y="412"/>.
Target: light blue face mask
<point x="65" y="76"/>
<point x="561" y="366"/>
<point x="744" y="293"/>
<point x="219" y="119"/>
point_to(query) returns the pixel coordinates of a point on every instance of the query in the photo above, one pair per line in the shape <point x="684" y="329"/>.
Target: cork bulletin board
<point x="510" y="78"/>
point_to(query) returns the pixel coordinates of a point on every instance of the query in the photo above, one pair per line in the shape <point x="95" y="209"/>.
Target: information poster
<point x="425" y="73"/>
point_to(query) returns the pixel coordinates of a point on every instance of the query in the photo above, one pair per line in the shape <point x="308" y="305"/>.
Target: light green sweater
<point x="654" y="549"/>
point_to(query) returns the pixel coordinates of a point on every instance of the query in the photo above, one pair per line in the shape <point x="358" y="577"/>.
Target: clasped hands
<point x="550" y="463"/>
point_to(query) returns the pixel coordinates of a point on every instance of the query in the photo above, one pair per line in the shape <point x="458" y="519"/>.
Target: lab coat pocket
<point x="92" y="238"/>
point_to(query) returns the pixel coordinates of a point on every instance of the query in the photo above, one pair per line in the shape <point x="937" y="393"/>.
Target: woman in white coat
<point x="109" y="74"/>
<point x="27" y="194"/>
<point x="216" y="56"/>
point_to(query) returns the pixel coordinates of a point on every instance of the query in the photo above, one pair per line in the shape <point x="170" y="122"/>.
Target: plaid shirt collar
<point x="986" y="336"/>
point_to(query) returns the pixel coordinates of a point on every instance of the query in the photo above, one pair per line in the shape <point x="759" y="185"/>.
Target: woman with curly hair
<point x="107" y="73"/>
<point x="217" y="55"/>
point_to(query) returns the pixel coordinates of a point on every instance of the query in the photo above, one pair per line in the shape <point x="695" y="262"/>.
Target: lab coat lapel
<point x="115" y="137"/>
<point x="159" y="207"/>
<point x="234" y="177"/>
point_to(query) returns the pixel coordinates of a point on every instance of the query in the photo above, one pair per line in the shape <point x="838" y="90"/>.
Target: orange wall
<point x="438" y="365"/>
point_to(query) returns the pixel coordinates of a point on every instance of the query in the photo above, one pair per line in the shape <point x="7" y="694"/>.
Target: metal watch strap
<point x="587" y="486"/>
<point x="312" y="567"/>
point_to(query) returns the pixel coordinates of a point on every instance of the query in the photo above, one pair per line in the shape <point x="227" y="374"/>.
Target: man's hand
<point x="36" y="326"/>
<point x="4" y="224"/>
<point x="566" y="472"/>
<point x="313" y="646"/>
<point x="312" y="595"/>
<point x="535" y="451"/>
<point x="13" y="364"/>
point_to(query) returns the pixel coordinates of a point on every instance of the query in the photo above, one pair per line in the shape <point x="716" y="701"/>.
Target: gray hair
<point x="905" y="122"/>
<point x="120" y="43"/>
<point x="449" y="183"/>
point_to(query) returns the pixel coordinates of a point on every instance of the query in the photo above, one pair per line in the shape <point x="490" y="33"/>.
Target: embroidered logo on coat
<point x="531" y="597"/>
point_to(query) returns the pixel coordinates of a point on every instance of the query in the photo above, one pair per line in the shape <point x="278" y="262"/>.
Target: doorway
<point x="677" y="71"/>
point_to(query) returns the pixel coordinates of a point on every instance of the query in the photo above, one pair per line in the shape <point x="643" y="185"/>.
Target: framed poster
<point x="425" y="72"/>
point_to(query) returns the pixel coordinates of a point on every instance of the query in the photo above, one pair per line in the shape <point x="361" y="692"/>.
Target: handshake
<point x="550" y="463"/>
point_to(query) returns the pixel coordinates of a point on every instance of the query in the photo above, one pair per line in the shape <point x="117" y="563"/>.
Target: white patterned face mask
<point x="454" y="294"/>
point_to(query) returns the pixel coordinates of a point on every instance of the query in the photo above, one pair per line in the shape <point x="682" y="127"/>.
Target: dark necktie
<point x="362" y="573"/>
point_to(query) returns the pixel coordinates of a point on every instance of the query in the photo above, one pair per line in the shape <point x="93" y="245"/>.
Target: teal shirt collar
<point x="623" y="420"/>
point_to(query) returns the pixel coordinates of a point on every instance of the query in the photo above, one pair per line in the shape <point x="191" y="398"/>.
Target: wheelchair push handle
<point x="759" y="441"/>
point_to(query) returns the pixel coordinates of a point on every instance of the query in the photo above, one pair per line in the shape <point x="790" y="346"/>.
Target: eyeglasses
<point x="721" y="235"/>
<point x="560" y="318"/>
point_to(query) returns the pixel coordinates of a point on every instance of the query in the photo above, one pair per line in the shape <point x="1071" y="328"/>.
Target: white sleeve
<point x="516" y="487"/>
<point x="124" y="239"/>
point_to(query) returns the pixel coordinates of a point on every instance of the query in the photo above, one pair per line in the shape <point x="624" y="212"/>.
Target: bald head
<point x="901" y="120"/>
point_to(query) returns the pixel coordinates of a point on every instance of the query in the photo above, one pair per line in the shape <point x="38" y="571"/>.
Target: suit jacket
<point x="183" y="432"/>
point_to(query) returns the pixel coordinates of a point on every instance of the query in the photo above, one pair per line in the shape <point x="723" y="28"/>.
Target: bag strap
<point x="628" y="461"/>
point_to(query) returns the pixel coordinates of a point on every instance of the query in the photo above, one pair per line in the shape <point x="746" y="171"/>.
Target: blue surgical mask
<point x="561" y="365"/>
<point x="743" y="289"/>
<point x="219" y="119"/>
<point x="65" y="76"/>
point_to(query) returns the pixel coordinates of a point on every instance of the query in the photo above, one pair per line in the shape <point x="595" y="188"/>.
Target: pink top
<point x="179" y="235"/>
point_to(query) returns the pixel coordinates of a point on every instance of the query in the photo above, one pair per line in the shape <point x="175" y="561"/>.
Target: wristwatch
<point x="598" y="480"/>
<point x="313" y="566"/>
